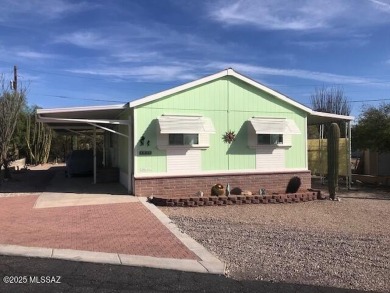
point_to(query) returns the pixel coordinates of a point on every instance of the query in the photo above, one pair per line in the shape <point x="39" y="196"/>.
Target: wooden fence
<point x="318" y="157"/>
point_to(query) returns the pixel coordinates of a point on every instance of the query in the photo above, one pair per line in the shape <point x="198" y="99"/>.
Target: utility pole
<point x="15" y="82"/>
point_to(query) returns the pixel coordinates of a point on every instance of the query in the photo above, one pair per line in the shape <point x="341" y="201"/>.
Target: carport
<point x="321" y="119"/>
<point x="91" y="121"/>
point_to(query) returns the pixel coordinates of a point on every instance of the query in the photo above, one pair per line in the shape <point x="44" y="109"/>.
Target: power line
<point x="374" y="100"/>
<point x="121" y="101"/>
<point x="85" y="99"/>
<point x="74" y="75"/>
<point x="81" y="75"/>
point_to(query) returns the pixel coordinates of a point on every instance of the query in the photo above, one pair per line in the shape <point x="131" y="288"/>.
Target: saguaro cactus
<point x="333" y="159"/>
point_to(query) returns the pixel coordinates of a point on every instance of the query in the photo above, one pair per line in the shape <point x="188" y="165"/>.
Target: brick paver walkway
<point x="126" y="228"/>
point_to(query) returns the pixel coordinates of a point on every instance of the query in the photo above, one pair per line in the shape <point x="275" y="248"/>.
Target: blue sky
<point x="80" y="53"/>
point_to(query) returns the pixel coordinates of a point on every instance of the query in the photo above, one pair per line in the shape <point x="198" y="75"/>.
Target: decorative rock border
<point x="197" y="201"/>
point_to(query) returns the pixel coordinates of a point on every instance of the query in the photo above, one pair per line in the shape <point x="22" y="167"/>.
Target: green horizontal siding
<point x="229" y="103"/>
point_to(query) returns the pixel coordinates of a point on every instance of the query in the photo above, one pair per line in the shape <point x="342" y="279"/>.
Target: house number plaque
<point x="145" y="153"/>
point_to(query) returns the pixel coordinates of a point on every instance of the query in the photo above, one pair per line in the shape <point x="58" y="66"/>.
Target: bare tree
<point x="11" y="102"/>
<point x="330" y="100"/>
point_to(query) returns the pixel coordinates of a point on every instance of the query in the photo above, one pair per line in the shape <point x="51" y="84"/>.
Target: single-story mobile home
<point x="224" y="128"/>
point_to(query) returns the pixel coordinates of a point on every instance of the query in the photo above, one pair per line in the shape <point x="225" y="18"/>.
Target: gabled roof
<point x="223" y="73"/>
<point x="314" y="117"/>
<point x="84" y="116"/>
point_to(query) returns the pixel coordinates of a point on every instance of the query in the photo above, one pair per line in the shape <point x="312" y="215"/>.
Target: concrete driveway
<point x="74" y="219"/>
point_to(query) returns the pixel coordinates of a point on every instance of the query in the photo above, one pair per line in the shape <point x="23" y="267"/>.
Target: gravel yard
<point x="343" y="244"/>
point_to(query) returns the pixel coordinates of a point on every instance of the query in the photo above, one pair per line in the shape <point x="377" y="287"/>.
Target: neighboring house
<point x="171" y="143"/>
<point x="376" y="164"/>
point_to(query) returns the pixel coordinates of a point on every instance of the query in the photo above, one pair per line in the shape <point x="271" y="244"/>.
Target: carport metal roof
<point x="83" y="119"/>
<point x="315" y="118"/>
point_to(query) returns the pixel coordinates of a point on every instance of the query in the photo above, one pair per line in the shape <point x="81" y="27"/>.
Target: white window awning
<point x="185" y="124"/>
<point x="274" y="126"/>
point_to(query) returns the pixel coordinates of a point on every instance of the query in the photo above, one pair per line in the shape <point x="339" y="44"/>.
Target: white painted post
<point x="349" y="155"/>
<point x="130" y="152"/>
<point x="104" y="150"/>
<point x="322" y="171"/>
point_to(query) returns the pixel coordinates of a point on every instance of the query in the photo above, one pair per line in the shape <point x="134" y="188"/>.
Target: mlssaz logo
<point x="45" y="279"/>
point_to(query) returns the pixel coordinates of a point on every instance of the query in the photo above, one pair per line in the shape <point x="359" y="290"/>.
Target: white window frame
<point x="185" y="139"/>
<point x="272" y="137"/>
<point x="289" y="129"/>
<point x="203" y="127"/>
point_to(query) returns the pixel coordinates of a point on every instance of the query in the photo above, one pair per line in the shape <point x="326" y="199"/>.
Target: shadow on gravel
<point x="383" y="197"/>
<point x="358" y="191"/>
<point x="90" y="277"/>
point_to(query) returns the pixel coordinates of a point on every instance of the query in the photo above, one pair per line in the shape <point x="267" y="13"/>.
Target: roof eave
<point x="177" y="89"/>
<point x="266" y="89"/>
<point x="316" y="118"/>
<point x="331" y="115"/>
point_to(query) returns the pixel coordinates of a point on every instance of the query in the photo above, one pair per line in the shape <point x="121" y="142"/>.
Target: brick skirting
<point x="275" y="182"/>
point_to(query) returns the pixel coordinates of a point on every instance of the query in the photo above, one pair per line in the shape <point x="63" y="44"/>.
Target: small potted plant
<point x="217" y="190"/>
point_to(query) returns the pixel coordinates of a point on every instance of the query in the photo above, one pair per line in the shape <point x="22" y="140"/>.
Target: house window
<point x="183" y="139"/>
<point x="270" y="139"/>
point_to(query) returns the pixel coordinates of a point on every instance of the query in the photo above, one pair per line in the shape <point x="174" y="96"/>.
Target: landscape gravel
<point x="342" y="244"/>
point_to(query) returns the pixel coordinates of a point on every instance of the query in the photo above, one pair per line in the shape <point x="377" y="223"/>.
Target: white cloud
<point x="155" y="44"/>
<point x="136" y="56"/>
<point x="276" y="14"/>
<point x="45" y="9"/>
<point x="312" y="44"/>
<point x="142" y="73"/>
<point x="35" y="55"/>
<point x="296" y="73"/>
<point x="143" y="53"/>
<point x="352" y="40"/>
<point x="381" y="5"/>
<point x="191" y="71"/>
<point x="84" y="39"/>
<point x="299" y="15"/>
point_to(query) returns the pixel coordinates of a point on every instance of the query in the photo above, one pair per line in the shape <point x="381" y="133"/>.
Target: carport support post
<point x="94" y="155"/>
<point x="349" y="174"/>
<point x="322" y="171"/>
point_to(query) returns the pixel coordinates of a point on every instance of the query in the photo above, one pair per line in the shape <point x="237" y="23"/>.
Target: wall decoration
<point x="229" y="136"/>
<point x="142" y="140"/>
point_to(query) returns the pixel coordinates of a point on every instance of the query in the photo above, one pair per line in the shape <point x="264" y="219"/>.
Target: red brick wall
<point x="189" y="185"/>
